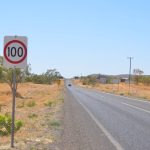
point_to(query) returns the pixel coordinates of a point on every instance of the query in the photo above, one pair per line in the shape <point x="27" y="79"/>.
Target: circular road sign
<point x="15" y="51"/>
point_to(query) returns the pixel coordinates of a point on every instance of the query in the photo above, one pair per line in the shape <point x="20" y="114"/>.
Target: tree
<point x="145" y="80"/>
<point x="89" y="80"/>
<point x="1" y="60"/>
<point x="1" y="69"/>
<point x="58" y="81"/>
<point x="8" y="77"/>
<point x="137" y="74"/>
<point x="28" y="70"/>
<point x="52" y="75"/>
<point x="1" y="73"/>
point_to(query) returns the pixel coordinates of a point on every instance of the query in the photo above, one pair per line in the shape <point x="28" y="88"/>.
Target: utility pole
<point x="130" y="58"/>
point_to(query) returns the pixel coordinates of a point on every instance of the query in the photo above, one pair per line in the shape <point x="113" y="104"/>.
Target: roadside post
<point x="15" y="56"/>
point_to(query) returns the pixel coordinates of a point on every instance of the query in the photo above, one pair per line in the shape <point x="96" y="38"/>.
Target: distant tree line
<point x="89" y="80"/>
<point x="49" y="77"/>
<point x="137" y="77"/>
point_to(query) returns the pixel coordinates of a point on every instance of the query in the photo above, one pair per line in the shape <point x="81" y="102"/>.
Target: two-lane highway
<point x="108" y="121"/>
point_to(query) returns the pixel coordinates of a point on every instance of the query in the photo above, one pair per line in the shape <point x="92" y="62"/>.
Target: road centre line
<point x="135" y="107"/>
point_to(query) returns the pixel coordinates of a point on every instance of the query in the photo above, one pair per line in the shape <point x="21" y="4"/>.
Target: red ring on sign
<point x="22" y="44"/>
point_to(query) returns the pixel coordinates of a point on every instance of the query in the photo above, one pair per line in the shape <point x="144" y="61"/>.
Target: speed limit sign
<point x="15" y="52"/>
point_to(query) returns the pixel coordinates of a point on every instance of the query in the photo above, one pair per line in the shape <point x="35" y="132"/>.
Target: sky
<point x="80" y="37"/>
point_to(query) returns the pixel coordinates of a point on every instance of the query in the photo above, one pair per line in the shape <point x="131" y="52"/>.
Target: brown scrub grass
<point x="138" y="91"/>
<point x="34" y="95"/>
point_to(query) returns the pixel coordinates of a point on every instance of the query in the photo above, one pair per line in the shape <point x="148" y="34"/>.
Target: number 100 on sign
<point x="14" y="52"/>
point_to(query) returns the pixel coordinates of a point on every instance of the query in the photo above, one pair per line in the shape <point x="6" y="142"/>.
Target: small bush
<point x="5" y="125"/>
<point x="49" y="103"/>
<point x="21" y="105"/>
<point x="31" y="104"/>
<point x="18" y="125"/>
<point x="143" y="97"/>
<point x="32" y="116"/>
<point x="54" y="124"/>
<point x="18" y="95"/>
<point x="61" y="100"/>
<point x="121" y="94"/>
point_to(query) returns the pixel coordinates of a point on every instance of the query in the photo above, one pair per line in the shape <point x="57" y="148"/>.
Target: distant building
<point x="124" y="79"/>
<point x="76" y="77"/>
<point x="103" y="80"/>
<point x="116" y="81"/>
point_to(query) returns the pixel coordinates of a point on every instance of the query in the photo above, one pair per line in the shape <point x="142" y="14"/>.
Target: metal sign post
<point x="13" y="108"/>
<point x="15" y="56"/>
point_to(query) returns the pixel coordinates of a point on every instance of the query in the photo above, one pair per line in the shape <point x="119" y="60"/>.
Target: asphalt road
<point x="98" y="121"/>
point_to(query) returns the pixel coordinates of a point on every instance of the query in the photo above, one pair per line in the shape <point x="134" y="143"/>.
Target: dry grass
<point x="139" y="91"/>
<point x="31" y="109"/>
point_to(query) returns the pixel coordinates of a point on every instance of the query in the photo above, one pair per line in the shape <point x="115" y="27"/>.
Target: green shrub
<point x="5" y="125"/>
<point x="54" y="124"/>
<point x="49" y="103"/>
<point x="31" y="104"/>
<point x="32" y="116"/>
<point x="18" y="125"/>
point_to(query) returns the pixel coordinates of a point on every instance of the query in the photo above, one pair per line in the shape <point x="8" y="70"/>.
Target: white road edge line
<point x="108" y="135"/>
<point x="139" y="108"/>
<point x="134" y="99"/>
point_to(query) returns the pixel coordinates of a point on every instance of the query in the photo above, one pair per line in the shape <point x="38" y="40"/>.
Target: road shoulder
<point x="80" y="131"/>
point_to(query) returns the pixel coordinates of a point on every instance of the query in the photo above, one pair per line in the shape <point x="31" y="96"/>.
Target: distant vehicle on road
<point x="69" y="84"/>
